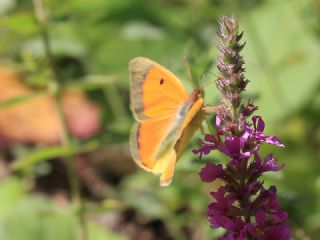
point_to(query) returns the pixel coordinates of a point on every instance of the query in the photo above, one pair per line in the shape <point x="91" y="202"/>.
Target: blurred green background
<point x="92" y="43"/>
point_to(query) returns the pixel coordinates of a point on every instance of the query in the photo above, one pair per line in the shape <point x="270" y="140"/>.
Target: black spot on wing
<point x="161" y="81"/>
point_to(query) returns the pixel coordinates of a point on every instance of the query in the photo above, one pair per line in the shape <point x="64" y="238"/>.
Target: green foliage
<point x="36" y="217"/>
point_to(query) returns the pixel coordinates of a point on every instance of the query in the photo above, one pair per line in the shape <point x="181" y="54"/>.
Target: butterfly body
<point x="166" y="117"/>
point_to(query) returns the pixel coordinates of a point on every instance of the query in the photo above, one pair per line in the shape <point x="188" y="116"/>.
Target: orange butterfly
<point x="166" y="117"/>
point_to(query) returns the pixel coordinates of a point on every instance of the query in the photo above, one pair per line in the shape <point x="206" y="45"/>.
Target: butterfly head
<point x="196" y="94"/>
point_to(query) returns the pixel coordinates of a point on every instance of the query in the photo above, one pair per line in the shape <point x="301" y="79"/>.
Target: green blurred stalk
<point x="55" y="89"/>
<point x="114" y="99"/>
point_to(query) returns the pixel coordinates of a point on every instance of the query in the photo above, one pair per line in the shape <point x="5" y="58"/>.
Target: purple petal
<point x="278" y="217"/>
<point x="239" y="224"/>
<point x="251" y="229"/>
<point x="273" y="140"/>
<point x="210" y="138"/>
<point x="203" y="150"/>
<point x="225" y="222"/>
<point x="232" y="147"/>
<point x="269" y="164"/>
<point x="252" y="186"/>
<point x="260" y="217"/>
<point x="235" y="161"/>
<point x="211" y="172"/>
<point x="219" y="194"/>
<point x="261" y="125"/>
<point x="257" y="160"/>
<point x="247" y="129"/>
<point x="245" y="154"/>
<point x="281" y="232"/>
<point x="244" y="138"/>
<point x="255" y="124"/>
<point x="258" y="124"/>
<point x="218" y="124"/>
<point x="229" y="200"/>
<point x="269" y="199"/>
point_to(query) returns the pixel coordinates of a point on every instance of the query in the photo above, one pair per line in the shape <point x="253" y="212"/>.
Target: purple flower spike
<point x="242" y="206"/>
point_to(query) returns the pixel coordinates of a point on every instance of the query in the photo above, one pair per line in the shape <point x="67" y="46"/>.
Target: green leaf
<point x="92" y="82"/>
<point x="99" y="233"/>
<point x="107" y="205"/>
<point x="51" y="152"/>
<point x="35" y="217"/>
<point x="12" y="190"/>
<point x="21" y="23"/>
<point x="20" y="99"/>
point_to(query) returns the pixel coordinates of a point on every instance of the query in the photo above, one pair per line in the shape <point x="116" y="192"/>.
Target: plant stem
<point x="55" y="88"/>
<point x="245" y="202"/>
<point x="115" y="101"/>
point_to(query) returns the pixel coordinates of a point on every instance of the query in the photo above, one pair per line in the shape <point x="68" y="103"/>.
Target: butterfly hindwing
<point x="146" y="138"/>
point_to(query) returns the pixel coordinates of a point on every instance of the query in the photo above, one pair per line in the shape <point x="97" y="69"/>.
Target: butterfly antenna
<point x="209" y="82"/>
<point x="201" y="80"/>
<point x="189" y="73"/>
<point x="207" y="122"/>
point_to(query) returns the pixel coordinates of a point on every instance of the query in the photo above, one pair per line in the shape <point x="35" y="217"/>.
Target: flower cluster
<point x="242" y="206"/>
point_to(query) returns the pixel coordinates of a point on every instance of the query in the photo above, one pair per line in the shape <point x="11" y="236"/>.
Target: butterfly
<point x="166" y="117"/>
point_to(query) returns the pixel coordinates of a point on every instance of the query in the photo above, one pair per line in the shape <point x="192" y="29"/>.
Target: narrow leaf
<point x="92" y="82"/>
<point x="47" y="153"/>
<point x="20" y="99"/>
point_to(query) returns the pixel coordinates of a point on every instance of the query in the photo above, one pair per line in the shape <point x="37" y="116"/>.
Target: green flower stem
<point x="55" y="88"/>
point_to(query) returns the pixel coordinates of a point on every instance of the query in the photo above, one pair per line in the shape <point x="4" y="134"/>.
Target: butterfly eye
<point x="161" y="81"/>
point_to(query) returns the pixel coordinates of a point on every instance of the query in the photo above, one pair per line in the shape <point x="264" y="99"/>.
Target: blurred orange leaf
<point x="35" y="120"/>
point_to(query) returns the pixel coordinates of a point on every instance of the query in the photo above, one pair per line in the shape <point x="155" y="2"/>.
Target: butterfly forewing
<point x="155" y="91"/>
